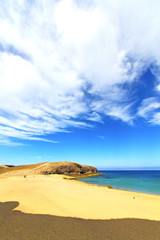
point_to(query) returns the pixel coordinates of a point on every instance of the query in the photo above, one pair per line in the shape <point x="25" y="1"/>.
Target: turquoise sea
<point x="146" y="181"/>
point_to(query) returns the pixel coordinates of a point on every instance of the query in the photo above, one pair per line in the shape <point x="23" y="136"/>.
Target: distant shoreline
<point x="146" y="182"/>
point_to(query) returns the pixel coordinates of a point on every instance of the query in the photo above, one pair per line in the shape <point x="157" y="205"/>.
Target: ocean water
<point x="146" y="181"/>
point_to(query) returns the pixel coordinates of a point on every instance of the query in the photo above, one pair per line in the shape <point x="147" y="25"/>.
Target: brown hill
<point x="3" y="166"/>
<point x="66" y="168"/>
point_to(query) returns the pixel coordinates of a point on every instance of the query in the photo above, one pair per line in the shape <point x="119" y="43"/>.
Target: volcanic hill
<point x="46" y="168"/>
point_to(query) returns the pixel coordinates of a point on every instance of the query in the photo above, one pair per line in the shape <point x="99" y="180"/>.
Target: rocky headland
<point x="46" y="168"/>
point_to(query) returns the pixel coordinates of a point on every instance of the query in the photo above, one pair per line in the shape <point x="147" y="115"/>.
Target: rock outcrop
<point x="46" y="168"/>
<point x="68" y="168"/>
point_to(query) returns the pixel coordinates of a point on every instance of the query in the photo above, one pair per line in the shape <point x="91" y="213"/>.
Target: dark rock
<point x="109" y="187"/>
<point x="67" y="168"/>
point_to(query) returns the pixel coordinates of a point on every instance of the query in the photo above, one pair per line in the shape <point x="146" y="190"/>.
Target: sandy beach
<point x="98" y="212"/>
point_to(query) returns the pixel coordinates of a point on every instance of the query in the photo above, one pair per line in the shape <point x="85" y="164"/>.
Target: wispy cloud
<point x="150" y="110"/>
<point x="62" y="62"/>
<point x="6" y="142"/>
<point x="148" y="106"/>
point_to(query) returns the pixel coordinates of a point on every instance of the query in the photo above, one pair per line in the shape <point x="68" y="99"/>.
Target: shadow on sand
<point x="16" y="225"/>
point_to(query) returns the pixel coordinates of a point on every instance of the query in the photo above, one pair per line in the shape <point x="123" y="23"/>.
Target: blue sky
<point x="80" y="81"/>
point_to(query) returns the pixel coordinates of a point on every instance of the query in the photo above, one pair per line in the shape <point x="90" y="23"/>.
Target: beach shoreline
<point x="135" y="181"/>
<point x="50" y="207"/>
<point x="70" y="198"/>
<point x="118" y="189"/>
<point x="107" y="186"/>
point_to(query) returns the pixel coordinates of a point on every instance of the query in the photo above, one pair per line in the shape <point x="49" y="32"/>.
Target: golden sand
<point x="57" y="196"/>
<point x="52" y="208"/>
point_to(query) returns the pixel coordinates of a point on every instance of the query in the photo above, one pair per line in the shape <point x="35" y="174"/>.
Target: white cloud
<point x="150" y="110"/>
<point x="94" y="117"/>
<point x="7" y="142"/>
<point x="62" y="62"/>
<point x="148" y="106"/>
<point x="156" y="119"/>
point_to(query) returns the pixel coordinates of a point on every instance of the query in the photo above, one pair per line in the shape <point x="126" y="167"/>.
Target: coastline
<point x="117" y="189"/>
<point x="146" y="182"/>
<point x="50" y="207"/>
<point x="55" y="195"/>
